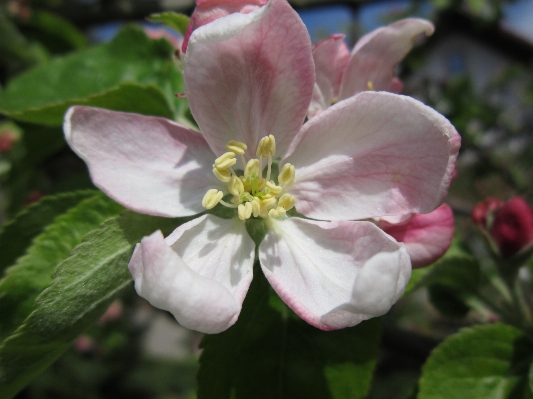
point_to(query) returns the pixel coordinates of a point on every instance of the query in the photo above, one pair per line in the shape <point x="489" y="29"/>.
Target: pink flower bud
<point x="7" y="140"/>
<point x="512" y="228"/>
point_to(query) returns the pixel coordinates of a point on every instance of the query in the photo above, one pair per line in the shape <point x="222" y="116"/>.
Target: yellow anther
<point x="256" y="206"/>
<point x="274" y="189"/>
<point x="252" y="167"/>
<point x="237" y="147"/>
<point x="225" y="161"/>
<point x="235" y="186"/>
<point x="370" y="85"/>
<point x="287" y="175"/>
<point x="247" y="185"/>
<point x="276" y="213"/>
<point x="211" y="198"/>
<point x="287" y="201"/>
<point x="266" y="147"/>
<point x="244" y="211"/>
<point x="266" y="205"/>
<point x="223" y="175"/>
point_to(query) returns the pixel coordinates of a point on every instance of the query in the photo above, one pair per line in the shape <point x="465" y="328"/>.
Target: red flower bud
<point x="7" y="140"/>
<point x="512" y="228"/>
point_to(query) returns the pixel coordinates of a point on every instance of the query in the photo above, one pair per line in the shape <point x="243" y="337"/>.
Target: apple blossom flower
<point x="249" y="80"/>
<point x="370" y="66"/>
<point x="509" y="224"/>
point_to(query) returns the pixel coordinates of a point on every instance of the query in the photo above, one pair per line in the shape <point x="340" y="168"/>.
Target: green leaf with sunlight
<point x="176" y="21"/>
<point x="272" y="354"/>
<point x="32" y="273"/>
<point x="83" y="287"/>
<point x="481" y="362"/>
<point x="131" y="73"/>
<point x="17" y="234"/>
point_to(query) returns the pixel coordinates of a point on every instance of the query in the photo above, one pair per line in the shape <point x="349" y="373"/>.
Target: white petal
<point x="334" y="274"/>
<point x="204" y="286"/>
<point x="219" y="249"/>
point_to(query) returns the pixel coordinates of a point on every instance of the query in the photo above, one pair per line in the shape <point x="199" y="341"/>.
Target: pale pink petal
<point x="219" y="249"/>
<point x="148" y="164"/>
<point x="334" y="274"/>
<point x="376" y="54"/>
<point x="331" y="56"/>
<point x="207" y="299"/>
<point x="426" y="236"/>
<point x="250" y="75"/>
<point x="209" y="10"/>
<point x="374" y="154"/>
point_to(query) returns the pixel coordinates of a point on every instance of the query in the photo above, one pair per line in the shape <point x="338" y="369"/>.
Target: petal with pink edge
<point x="376" y="54"/>
<point x="207" y="11"/>
<point x="334" y="274"/>
<point x="331" y="56"/>
<point x="374" y="154"/>
<point x="250" y="75"/>
<point x="148" y="164"/>
<point x="203" y="289"/>
<point x="426" y="236"/>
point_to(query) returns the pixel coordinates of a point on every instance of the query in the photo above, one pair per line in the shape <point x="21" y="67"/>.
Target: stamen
<point x="238" y="147"/>
<point x="276" y="213"/>
<point x="228" y="205"/>
<point x="244" y="211"/>
<point x="235" y="186"/>
<point x="211" y="198"/>
<point x="269" y="169"/>
<point x="223" y="175"/>
<point x="273" y="188"/>
<point x="266" y="147"/>
<point x="252" y="167"/>
<point x="256" y="206"/>
<point x="370" y="85"/>
<point x="287" y="175"/>
<point x="287" y="201"/>
<point x="225" y="161"/>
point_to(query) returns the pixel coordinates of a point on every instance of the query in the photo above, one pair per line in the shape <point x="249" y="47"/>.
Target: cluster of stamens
<point x="252" y="194"/>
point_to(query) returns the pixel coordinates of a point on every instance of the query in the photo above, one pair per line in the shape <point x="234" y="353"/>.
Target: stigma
<point x="252" y="194"/>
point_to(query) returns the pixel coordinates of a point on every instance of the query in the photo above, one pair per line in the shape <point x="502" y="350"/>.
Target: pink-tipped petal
<point x="372" y="155"/>
<point x="207" y="11"/>
<point x="334" y="274"/>
<point x="426" y="236"/>
<point x="148" y="164"/>
<point x="376" y="54"/>
<point x="204" y="288"/>
<point x="250" y="75"/>
<point x="331" y="56"/>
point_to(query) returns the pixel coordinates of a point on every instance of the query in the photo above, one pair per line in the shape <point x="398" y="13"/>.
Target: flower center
<point x="252" y="194"/>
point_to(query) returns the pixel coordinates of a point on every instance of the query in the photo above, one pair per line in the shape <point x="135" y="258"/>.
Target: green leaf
<point x="130" y="97"/>
<point x="268" y="354"/>
<point x="17" y="234"/>
<point x="479" y="363"/>
<point x="53" y="31"/>
<point x="32" y="273"/>
<point x="178" y="22"/>
<point x="122" y="75"/>
<point x="84" y="286"/>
